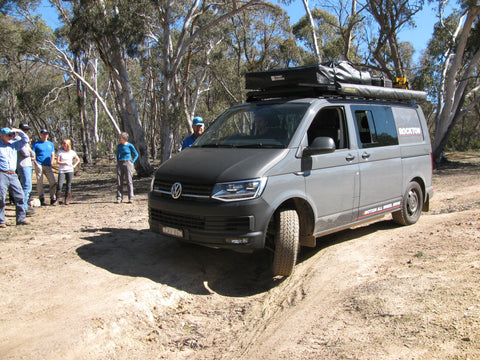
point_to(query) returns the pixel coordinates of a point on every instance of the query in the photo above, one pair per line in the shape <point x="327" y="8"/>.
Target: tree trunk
<point x="126" y="106"/>
<point x="81" y="113"/>
<point x="455" y="87"/>
<point x="314" y="32"/>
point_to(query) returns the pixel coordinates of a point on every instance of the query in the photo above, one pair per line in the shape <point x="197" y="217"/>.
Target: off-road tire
<point x="286" y="242"/>
<point x="412" y="205"/>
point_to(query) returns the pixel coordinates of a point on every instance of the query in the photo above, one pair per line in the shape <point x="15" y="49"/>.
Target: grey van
<point x="277" y="173"/>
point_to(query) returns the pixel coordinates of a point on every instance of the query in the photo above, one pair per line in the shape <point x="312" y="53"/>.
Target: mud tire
<point x="286" y="242"/>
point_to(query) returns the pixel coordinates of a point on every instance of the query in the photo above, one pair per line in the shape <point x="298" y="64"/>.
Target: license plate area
<point x="172" y="231"/>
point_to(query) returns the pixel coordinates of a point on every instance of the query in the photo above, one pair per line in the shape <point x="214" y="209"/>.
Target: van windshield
<point x="256" y="126"/>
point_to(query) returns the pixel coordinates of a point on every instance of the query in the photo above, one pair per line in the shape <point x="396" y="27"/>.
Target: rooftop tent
<point x="332" y="78"/>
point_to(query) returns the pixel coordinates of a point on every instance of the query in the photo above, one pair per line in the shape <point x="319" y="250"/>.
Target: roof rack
<point x="327" y="79"/>
<point x="342" y="90"/>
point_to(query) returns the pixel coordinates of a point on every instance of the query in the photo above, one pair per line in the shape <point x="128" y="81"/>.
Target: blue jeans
<point x="25" y="177"/>
<point x="10" y="181"/>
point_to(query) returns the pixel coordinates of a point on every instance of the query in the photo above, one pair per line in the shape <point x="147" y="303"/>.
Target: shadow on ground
<point x="141" y="253"/>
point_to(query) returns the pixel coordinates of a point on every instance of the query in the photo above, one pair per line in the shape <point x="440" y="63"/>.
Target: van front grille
<point x="214" y="224"/>
<point x="190" y="190"/>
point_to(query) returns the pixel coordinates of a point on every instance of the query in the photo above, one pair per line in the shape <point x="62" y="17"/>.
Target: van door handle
<point x="365" y="155"/>
<point x="350" y="157"/>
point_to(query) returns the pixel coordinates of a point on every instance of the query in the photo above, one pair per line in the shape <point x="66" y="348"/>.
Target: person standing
<point x="67" y="159"/>
<point x="198" y="127"/>
<point x="44" y="156"/>
<point x="25" y="170"/>
<point x="126" y="157"/>
<point x="8" y="178"/>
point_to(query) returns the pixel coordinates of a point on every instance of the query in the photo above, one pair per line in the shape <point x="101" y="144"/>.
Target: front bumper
<point x="239" y="226"/>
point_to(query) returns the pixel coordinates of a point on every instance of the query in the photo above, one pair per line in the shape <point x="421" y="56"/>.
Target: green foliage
<point x="327" y="26"/>
<point x="96" y="21"/>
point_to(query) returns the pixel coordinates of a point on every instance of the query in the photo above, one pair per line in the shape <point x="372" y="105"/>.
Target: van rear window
<point x="408" y="124"/>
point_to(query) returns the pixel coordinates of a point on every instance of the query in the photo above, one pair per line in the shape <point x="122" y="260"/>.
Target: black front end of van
<point x="189" y="213"/>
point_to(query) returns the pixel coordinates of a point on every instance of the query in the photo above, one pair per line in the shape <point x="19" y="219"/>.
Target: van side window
<point x="329" y="122"/>
<point x="375" y="127"/>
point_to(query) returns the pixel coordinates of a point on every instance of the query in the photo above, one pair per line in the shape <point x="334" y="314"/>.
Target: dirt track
<point x="89" y="281"/>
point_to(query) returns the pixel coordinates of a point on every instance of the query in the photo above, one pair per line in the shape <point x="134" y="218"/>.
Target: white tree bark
<point x="175" y="50"/>
<point x="455" y="83"/>
<point x="70" y="70"/>
<point x="314" y="32"/>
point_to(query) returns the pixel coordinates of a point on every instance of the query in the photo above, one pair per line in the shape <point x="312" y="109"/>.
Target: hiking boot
<point x="23" y="223"/>
<point x="30" y="211"/>
<point x="55" y="202"/>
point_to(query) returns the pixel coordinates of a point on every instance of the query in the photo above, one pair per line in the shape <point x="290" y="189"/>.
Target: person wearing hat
<point x="44" y="155"/>
<point x="25" y="170"/>
<point x="198" y="127"/>
<point x="8" y="177"/>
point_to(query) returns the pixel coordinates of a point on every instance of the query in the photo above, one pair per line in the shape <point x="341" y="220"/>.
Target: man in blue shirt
<point x="44" y="156"/>
<point x="8" y="177"/>
<point x="198" y="127"/>
<point x="126" y="157"/>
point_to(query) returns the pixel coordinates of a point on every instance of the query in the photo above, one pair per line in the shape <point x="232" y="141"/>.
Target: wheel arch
<point x="306" y="218"/>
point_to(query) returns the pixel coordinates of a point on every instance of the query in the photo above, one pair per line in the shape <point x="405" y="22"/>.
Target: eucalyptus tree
<point x="390" y="16"/>
<point x="313" y="31"/>
<point x="116" y="27"/>
<point x="261" y="40"/>
<point x="327" y="34"/>
<point x="179" y="31"/>
<point x="349" y="25"/>
<point x="28" y="88"/>
<point x="257" y="39"/>
<point x="455" y="57"/>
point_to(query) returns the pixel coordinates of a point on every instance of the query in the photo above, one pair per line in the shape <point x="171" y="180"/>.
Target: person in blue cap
<point x="198" y="127"/>
<point x="44" y="158"/>
<point x="8" y="177"/>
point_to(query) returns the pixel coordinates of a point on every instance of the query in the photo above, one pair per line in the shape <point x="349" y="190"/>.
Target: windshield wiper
<point x="262" y="146"/>
<point x="213" y="145"/>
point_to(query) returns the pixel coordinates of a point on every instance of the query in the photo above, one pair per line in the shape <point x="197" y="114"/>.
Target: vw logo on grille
<point x="176" y="190"/>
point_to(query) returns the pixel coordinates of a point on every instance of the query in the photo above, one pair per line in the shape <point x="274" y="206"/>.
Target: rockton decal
<point x="411" y="131"/>
<point x="379" y="209"/>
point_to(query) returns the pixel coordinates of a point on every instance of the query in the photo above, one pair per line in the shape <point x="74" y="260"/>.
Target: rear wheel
<point x="286" y="242"/>
<point x="412" y="205"/>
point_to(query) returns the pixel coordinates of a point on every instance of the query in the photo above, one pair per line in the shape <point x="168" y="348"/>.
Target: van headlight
<point x="239" y="190"/>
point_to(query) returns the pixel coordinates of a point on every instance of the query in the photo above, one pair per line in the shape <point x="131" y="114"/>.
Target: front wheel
<point x="286" y="242"/>
<point x="412" y="205"/>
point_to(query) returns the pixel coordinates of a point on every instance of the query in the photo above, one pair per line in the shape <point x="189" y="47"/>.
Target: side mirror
<point x="320" y="145"/>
